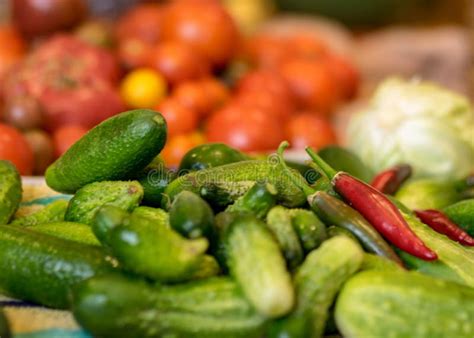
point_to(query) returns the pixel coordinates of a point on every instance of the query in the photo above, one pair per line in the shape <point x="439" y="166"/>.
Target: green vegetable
<point x="258" y="200"/>
<point x="42" y="268"/>
<point x="4" y="329"/>
<point x="374" y="262"/>
<point x="255" y="261"/>
<point x="207" y="267"/>
<point x="334" y="231"/>
<point x="317" y="282"/>
<point x="156" y="215"/>
<point x="462" y="213"/>
<point x="342" y="159"/>
<point x="310" y="230"/>
<point x="154" y="179"/>
<point x="404" y="304"/>
<point x="117" y="306"/>
<point x="53" y="212"/>
<point x="280" y="224"/>
<point x="107" y="218"/>
<point x="418" y="123"/>
<point x="116" y="149"/>
<point x="191" y="216"/>
<point x="76" y="232"/>
<point x="10" y="191"/>
<point x="90" y="198"/>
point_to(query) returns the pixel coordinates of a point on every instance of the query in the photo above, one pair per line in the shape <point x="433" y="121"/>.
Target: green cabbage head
<point x="418" y="123"/>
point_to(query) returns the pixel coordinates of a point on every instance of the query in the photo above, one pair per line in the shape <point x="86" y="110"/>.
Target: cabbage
<point x="418" y="123"/>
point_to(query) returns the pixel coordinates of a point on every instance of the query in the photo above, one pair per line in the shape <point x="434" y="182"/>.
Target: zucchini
<point x="404" y="304"/>
<point x="53" y="212"/>
<point x="10" y="191"/>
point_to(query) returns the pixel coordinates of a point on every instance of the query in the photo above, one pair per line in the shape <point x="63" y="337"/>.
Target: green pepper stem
<point x="326" y="168"/>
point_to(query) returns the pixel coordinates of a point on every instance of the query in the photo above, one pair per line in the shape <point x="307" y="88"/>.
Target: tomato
<point x="309" y="129"/>
<point x="205" y="26"/>
<point x="23" y="112"/>
<point x="179" y="118"/>
<point x="143" y="22"/>
<point x="216" y="93"/>
<point x="12" y="48"/>
<point x="306" y="46"/>
<point x="43" y="149"/>
<point x="177" y="146"/>
<point x="15" y="148"/>
<point x="245" y="128"/>
<point x="143" y="88"/>
<point x="177" y="62"/>
<point x="346" y="75"/>
<point x="266" y="51"/>
<point x="266" y="101"/>
<point x="133" y="53"/>
<point x="65" y="137"/>
<point x="312" y="84"/>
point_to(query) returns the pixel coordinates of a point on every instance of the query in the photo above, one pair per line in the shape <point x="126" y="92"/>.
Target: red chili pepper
<point x="390" y="180"/>
<point x="377" y="209"/>
<point x="439" y="222"/>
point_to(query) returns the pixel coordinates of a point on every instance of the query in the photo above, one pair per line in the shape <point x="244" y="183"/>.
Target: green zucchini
<point x="10" y="191"/>
<point x="53" y="212"/>
<point x="311" y="231"/>
<point x="403" y="304"/>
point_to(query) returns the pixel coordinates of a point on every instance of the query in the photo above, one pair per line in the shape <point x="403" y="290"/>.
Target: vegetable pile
<point x="232" y="246"/>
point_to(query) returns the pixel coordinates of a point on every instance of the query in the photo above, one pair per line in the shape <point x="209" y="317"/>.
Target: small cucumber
<point x="115" y="149"/>
<point x="10" y="191"/>
<point x="403" y="304"/>
<point x="375" y="262"/>
<point x="279" y="223"/>
<point x="210" y="155"/>
<point x="118" y="306"/>
<point x="157" y="215"/>
<point x="191" y="216"/>
<point x="462" y="213"/>
<point x="207" y="267"/>
<point x="53" y="212"/>
<point x="107" y="218"/>
<point x="76" y="232"/>
<point x="41" y="268"/>
<point x="4" y="328"/>
<point x="334" y="231"/>
<point x="311" y="231"/>
<point x="90" y="198"/>
<point x="257" y="264"/>
<point x="258" y="200"/>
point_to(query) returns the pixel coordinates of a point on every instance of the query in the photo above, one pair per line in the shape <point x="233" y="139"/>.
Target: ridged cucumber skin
<point x="71" y="231"/>
<point x="256" y="262"/>
<point x="280" y="224"/>
<point x="154" y="214"/>
<point x="42" y="268"/>
<point x="10" y="191"/>
<point x="404" y="304"/>
<point x="462" y="213"/>
<point x="53" y="212"/>
<point x="115" y="149"/>
<point x="319" y="279"/>
<point x="4" y="328"/>
<point x="311" y="231"/>
<point x="112" y="306"/>
<point x="82" y="208"/>
<point x="234" y="179"/>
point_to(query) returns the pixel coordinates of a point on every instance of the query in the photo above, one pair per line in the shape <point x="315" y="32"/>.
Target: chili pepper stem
<point x="326" y="168"/>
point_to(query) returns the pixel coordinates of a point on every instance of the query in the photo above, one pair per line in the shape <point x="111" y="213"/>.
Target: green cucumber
<point x="4" y="328"/>
<point x="257" y="264"/>
<point x="107" y="218"/>
<point x="90" y="198"/>
<point x="462" y="213"/>
<point x="115" y="149"/>
<point x="404" y="304"/>
<point x="53" y="212"/>
<point x="210" y="155"/>
<point x="41" y="268"/>
<point x="311" y="231"/>
<point x="334" y="231"/>
<point x="208" y="267"/>
<point x="157" y="215"/>
<point x="375" y="262"/>
<point x="258" y="200"/>
<point x="76" y="232"/>
<point x="10" y="191"/>
<point x="118" y="306"/>
<point x="280" y="224"/>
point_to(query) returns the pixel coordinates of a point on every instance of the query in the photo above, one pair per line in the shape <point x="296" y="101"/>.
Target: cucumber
<point x="159" y="216"/>
<point x="462" y="213"/>
<point x="10" y="191"/>
<point x="208" y="267"/>
<point x="311" y="231"/>
<point x="258" y="200"/>
<point x="404" y="304"/>
<point x="279" y="223"/>
<point x="4" y="329"/>
<point x="224" y="184"/>
<point x="90" y="198"/>
<point x="76" y="232"/>
<point x="257" y="264"/>
<point x="53" y="212"/>
<point x="115" y="149"/>
<point x="334" y="231"/>
<point x="107" y="218"/>
<point x="118" y="306"/>
<point x="375" y="262"/>
<point x="41" y="268"/>
<point x="317" y="282"/>
<point x="191" y="216"/>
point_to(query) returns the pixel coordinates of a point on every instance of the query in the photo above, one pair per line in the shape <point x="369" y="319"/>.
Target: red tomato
<point x="177" y="146"/>
<point x="179" y="119"/>
<point x="346" y="75"/>
<point x="308" y="129"/>
<point x="245" y="128"/>
<point x="143" y="22"/>
<point x="177" y="62"/>
<point x="65" y="137"/>
<point x="216" y="93"/>
<point x="266" y="51"/>
<point x="12" y="48"/>
<point x="306" y="46"/>
<point x="312" y="84"/>
<point x="133" y="53"/>
<point x="191" y="95"/>
<point x="15" y="148"/>
<point x="205" y="26"/>
<point x="264" y="100"/>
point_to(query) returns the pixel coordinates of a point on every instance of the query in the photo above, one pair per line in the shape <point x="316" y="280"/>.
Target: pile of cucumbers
<point x="226" y="246"/>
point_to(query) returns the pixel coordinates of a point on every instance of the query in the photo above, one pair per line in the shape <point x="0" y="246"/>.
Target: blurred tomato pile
<point x="61" y="73"/>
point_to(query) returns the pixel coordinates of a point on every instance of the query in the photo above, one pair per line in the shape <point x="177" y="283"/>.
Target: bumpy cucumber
<point x="112" y="306"/>
<point x="10" y="191"/>
<point x="375" y="262"/>
<point x="89" y="199"/>
<point x="207" y="267"/>
<point x="404" y="304"/>
<point x="258" y="200"/>
<point x="53" y="212"/>
<point x="257" y="264"/>
<point x="462" y="213"/>
<point x="107" y="218"/>
<point x="157" y="215"/>
<point x="311" y="231"/>
<point x="76" y="232"/>
<point x="116" y="149"/>
<point x="42" y="268"/>
<point x="4" y="328"/>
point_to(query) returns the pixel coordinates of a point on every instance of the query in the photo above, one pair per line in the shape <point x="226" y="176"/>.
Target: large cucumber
<point x="404" y="304"/>
<point x="10" y="191"/>
<point x="116" y="149"/>
<point x="53" y="212"/>
<point x="76" y="232"/>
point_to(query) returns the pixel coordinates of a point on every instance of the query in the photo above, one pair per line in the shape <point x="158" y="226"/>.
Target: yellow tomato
<point x="143" y="88"/>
